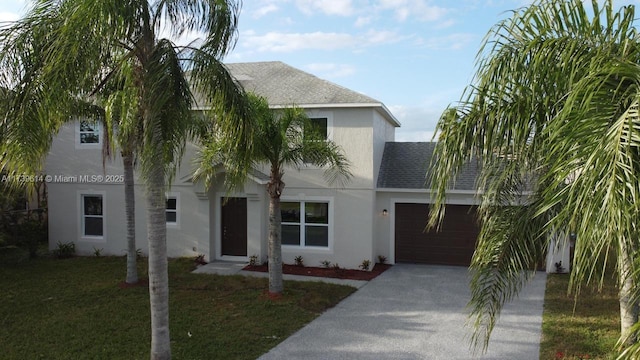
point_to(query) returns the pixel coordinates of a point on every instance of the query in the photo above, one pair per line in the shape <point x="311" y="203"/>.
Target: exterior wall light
<point x="385" y="212"/>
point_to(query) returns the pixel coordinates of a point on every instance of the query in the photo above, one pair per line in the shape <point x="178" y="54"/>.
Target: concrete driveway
<point x="416" y="312"/>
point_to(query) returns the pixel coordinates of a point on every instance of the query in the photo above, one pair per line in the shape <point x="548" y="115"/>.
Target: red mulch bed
<point x="326" y="272"/>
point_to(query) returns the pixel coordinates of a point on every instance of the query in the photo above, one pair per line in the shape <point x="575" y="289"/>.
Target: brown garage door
<point x="452" y="245"/>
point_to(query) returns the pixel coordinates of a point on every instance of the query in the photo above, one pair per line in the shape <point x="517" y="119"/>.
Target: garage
<point x="452" y="245"/>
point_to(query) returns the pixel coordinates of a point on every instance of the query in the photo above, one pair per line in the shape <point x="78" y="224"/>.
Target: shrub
<point x="326" y="263"/>
<point x="299" y="261"/>
<point x="365" y="264"/>
<point x="65" y="250"/>
<point x="253" y="260"/>
<point x="382" y="259"/>
<point x="97" y="252"/>
<point x="199" y="260"/>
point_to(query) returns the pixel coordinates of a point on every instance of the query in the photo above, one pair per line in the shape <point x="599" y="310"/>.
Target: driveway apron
<point x="416" y="312"/>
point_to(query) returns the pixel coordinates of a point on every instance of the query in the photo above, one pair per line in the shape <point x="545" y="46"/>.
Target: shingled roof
<point x="405" y="165"/>
<point x="284" y="85"/>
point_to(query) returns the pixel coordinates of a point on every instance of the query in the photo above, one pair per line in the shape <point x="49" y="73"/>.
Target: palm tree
<point x="278" y="139"/>
<point x="64" y="52"/>
<point x="553" y="111"/>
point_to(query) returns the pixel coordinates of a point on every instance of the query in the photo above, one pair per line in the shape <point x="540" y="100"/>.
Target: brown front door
<point x="234" y="226"/>
<point x="454" y="244"/>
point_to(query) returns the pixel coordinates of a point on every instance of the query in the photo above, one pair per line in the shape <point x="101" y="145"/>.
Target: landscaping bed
<point x="329" y="272"/>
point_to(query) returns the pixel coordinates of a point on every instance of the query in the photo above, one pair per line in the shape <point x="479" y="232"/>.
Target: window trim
<point x="302" y="224"/>
<point x="318" y="114"/>
<point x="81" y="214"/>
<point x="176" y="195"/>
<point x="79" y="144"/>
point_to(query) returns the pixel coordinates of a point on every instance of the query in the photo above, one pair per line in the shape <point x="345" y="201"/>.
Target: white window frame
<point x="81" y="222"/>
<point x="319" y="114"/>
<point x="175" y="195"/>
<point x="302" y="224"/>
<point x="78" y="137"/>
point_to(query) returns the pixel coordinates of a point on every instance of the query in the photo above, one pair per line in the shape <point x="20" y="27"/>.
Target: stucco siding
<point x="382" y="133"/>
<point x="188" y="238"/>
<point x="350" y="219"/>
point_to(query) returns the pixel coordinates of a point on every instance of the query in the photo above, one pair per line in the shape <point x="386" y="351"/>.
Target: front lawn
<point x="590" y="332"/>
<point x="75" y="309"/>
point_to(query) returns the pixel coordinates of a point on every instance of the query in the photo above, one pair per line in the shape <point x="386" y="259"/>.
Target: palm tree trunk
<point x="628" y="307"/>
<point x="275" y="247"/>
<point x="158" y="269"/>
<point x="274" y="188"/>
<point x="129" y="209"/>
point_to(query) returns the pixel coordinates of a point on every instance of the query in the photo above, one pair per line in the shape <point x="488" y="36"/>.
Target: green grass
<point x="593" y="329"/>
<point x="74" y="309"/>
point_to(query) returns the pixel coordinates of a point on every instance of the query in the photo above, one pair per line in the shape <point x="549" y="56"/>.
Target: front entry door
<point x="234" y="227"/>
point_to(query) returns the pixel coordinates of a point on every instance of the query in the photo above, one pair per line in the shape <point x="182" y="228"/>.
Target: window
<point x="92" y="215"/>
<point x="318" y="127"/>
<point x="88" y="134"/>
<point x="172" y="209"/>
<point x="305" y="223"/>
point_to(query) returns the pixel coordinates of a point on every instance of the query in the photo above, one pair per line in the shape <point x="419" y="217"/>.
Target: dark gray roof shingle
<point x="405" y="166"/>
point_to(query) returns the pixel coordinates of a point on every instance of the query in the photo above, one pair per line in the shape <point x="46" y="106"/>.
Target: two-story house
<point x="381" y="212"/>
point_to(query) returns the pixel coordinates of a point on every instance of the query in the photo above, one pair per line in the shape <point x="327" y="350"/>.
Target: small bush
<point x="65" y="250"/>
<point x="253" y="260"/>
<point x="199" y="260"/>
<point x="336" y="267"/>
<point x="326" y="263"/>
<point x="97" y="252"/>
<point x="365" y="264"/>
<point x="299" y="261"/>
<point x="382" y="259"/>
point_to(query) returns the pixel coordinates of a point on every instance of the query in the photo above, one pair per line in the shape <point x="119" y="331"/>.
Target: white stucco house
<point x="381" y="212"/>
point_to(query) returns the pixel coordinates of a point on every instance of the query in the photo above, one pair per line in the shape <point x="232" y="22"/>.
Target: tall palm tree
<point x="553" y="111"/>
<point x="65" y="51"/>
<point x="124" y="124"/>
<point x="278" y="139"/>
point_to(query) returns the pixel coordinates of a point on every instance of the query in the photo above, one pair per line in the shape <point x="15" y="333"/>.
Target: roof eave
<point x="380" y="107"/>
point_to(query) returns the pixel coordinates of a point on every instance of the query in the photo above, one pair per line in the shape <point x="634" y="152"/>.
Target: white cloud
<point x="449" y="42"/>
<point x="288" y="42"/>
<point x="8" y="16"/>
<point x="328" y="7"/>
<point x="264" y="10"/>
<point x="420" y="9"/>
<point x="418" y="122"/>
<point x="363" y="20"/>
<point x="331" y="70"/>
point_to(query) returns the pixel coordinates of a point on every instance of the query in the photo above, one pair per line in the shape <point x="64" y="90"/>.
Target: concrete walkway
<point x="235" y="268"/>
<point x="416" y="312"/>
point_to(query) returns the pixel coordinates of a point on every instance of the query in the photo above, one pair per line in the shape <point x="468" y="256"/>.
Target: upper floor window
<point x="88" y="134"/>
<point x="173" y="210"/>
<point x="318" y="127"/>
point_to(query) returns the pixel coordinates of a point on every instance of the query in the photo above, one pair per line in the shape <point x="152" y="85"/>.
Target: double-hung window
<point x="305" y="223"/>
<point x="172" y="210"/>
<point x="92" y="215"/>
<point x="88" y="134"/>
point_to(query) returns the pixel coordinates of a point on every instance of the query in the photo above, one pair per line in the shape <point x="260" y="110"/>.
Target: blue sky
<point x="415" y="56"/>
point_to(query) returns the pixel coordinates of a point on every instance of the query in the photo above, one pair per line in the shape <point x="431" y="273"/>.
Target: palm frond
<point x="553" y="110"/>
